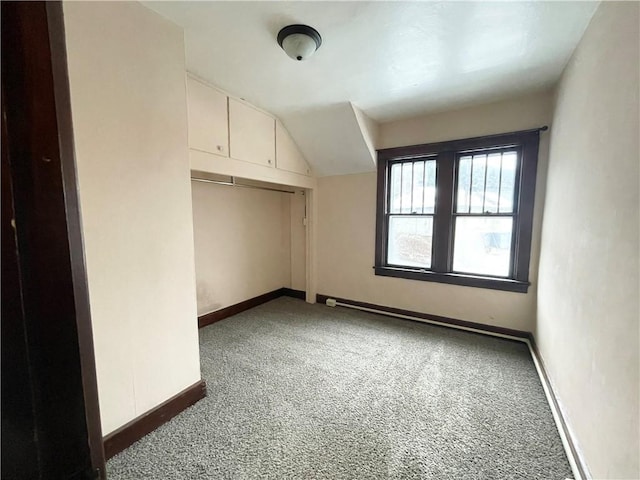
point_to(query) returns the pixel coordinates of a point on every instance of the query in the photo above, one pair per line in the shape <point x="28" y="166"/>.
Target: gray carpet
<point x="309" y="391"/>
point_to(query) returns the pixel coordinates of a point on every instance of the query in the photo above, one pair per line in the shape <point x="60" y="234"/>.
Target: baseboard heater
<point x="578" y="467"/>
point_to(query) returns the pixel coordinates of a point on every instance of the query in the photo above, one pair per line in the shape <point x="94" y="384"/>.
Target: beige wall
<point x="242" y="243"/>
<point x="346" y="222"/>
<point x="298" y="242"/>
<point x="587" y="326"/>
<point x="521" y="113"/>
<point x="126" y="73"/>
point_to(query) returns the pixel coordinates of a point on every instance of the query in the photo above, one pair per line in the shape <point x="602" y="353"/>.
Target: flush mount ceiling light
<point x="299" y="41"/>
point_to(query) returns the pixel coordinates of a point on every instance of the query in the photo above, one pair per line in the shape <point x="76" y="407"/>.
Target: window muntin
<point x="412" y="196"/>
<point x="486" y="181"/>
<point x="485" y="185"/>
<point x="412" y="186"/>
<point x="475" y="227"/>
<point x="484" y="215"/>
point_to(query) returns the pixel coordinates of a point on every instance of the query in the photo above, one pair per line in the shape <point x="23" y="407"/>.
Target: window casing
<point x="435" y="222"/>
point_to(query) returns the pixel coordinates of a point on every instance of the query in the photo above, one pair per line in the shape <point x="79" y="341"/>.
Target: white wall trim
<point x="565" y="435"/>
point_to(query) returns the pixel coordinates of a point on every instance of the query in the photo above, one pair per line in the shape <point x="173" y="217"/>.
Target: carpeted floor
<point x="308" y="391"/>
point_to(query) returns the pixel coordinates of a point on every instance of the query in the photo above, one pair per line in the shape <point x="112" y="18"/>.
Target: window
<point x="458" y="212"/>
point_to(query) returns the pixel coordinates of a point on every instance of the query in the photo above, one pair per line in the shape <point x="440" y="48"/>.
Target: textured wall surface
<point x="587" y="326"/>
<point x="126" y="73"/>
<point x="242" y="243"/>
<point x="298" y="242"/>
<point x="347" y="217"/>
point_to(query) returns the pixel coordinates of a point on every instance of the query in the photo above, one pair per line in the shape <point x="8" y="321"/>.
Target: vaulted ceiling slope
<point x="379" y="61"/>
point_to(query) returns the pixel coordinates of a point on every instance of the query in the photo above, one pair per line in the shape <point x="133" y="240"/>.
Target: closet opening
<point x="250" y="240"/>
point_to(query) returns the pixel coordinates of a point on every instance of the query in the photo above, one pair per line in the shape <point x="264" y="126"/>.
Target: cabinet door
<point x="288" y="156"/>
<point x="251" y="134"/>
<point x="208" y="118"/>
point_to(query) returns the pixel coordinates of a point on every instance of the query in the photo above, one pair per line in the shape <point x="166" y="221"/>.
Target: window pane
<point x="429" y="192"/>
<point x="412" y="187"/>
<point x="407" y="183"/>
<point x="410" y="241"/>
<point x="477" y="183"/>
<point x="492" y="190"/>
<point x="482" y="245"/>
<point x="507" y="184"/>
<point x="418" y="177"/>
<point x="394" y="199"/>
<point x="464" y="184"/>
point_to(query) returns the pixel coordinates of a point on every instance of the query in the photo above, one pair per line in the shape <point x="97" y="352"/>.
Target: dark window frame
<point x="446" y="154"/>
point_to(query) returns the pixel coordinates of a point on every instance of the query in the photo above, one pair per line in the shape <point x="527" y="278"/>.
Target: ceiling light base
<point x="299" y="41"/>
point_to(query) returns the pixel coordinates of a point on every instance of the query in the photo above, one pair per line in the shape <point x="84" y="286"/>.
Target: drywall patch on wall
<point x="242" y="243"/>
<point x="587" y="324"/>
<point x="207" y="293"/>
<point x="128" y="102"/>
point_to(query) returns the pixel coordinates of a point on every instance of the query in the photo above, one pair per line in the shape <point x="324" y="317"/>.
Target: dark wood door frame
<point x="43" y="264"/>
<point x="19" y="455"/>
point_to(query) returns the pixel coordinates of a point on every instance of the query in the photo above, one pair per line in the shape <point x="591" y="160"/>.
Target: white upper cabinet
<point x="288" y="156"/>
<point x="231" y="128"/>
<point x="208" y="118"/>
<point x="251" y="134"/>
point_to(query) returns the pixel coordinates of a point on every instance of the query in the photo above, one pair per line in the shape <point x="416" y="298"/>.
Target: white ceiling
<point x="390" y="59"/>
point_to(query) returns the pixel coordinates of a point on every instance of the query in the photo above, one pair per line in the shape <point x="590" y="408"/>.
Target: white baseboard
<point x="565" y="436"/>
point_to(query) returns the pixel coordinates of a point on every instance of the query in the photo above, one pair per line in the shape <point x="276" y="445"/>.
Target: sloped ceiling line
<point x="394" y="60"/>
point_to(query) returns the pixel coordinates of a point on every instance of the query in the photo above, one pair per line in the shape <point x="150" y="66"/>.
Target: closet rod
<point x="233" y="183"/>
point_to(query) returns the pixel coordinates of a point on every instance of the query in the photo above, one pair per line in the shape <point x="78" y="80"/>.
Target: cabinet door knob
<point x="269" y="160"/>
<point x="219" y="147"/>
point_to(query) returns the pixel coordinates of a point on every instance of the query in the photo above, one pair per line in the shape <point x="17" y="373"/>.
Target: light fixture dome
<point x="299" y="41"/>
